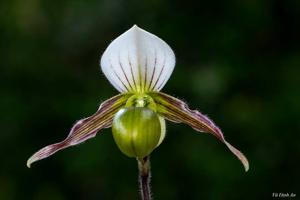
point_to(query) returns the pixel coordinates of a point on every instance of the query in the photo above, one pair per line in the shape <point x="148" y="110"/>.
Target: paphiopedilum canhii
<point x="138" y="64"/>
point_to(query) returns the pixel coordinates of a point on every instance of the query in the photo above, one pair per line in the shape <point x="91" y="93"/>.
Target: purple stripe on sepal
<point x="177" y="111"/>
<point x="86" y="128"/>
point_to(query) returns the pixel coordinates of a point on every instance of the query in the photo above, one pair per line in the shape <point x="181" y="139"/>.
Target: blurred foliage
<point x="238" y="61"/>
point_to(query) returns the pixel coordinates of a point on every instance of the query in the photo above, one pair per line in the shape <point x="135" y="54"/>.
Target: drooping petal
<point x="138" y="61"/>
<point x="177" y="111"/>
<point x="84" y="129"/>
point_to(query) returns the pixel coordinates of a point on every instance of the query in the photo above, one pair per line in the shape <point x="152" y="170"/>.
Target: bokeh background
<point x="237" y="61"/>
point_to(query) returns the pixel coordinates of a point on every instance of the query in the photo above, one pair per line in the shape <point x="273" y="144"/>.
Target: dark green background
<point x="237" y="61"/>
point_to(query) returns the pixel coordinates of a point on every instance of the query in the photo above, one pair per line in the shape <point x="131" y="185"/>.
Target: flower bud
<point x="137" y="131"/>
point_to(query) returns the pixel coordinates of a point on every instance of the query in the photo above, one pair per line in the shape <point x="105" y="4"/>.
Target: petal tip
<point x="239" y="155"/>
<point x="246" y="165"/>
<point x="30" y="161"/>
<point x="135" y="26"/>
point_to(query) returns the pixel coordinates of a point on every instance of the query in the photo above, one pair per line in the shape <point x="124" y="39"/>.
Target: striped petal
<point x="84" y="129"/>
<point x="177" y="111"/>
<point x="138" y="61"/>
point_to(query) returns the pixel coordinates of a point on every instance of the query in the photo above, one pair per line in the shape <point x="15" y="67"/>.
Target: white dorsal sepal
<point x="138" y="61"/>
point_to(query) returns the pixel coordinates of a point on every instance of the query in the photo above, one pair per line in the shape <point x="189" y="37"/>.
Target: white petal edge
<point x="138" y="61"/>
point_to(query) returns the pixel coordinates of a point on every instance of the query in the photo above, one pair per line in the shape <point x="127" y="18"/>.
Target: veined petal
<point x="84" y="129"/>
<point x="177" y="111"/>
<point x="138" y="61"/>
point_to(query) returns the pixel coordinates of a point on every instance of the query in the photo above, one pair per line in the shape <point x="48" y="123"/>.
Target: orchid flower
<point x="138" y="64"/>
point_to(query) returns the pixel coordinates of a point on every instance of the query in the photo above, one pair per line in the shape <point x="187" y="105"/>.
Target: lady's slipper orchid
<point x="138" y="64"/>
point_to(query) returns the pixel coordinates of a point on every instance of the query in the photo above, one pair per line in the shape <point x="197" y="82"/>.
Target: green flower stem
<point x="144" y="177"/>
